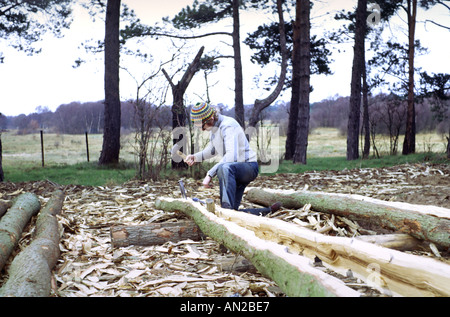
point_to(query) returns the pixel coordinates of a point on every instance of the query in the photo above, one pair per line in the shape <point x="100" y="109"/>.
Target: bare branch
<point x="442" y="26"/>
<point x="168" y="78"/>
<point x="183" y="37"/>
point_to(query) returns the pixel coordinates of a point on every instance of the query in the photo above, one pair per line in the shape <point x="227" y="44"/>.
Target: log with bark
<point x="155" y="233"/>
<point x="293" y="273"/>
<point x="4" y="205"/>
<point x="422" y="222"/>
<point x="13" y="222"/>
<point x="30" y="271"/>
<point x="390" y="271"/>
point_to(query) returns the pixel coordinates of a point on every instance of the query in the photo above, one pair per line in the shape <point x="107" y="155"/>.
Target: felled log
<point x="293" y="273"/>
<point x="12" y="223"/>
<point x="4" y="205"/>
<point x="155" y="233"/>
<point x="30" y="271"/>
<point x="411" y="219"/>
<point x="388" y="270"/>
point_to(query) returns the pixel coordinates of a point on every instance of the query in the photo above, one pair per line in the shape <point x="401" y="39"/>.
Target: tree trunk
<point x="366" y="119"/>
<point x="409" y="144"/>
<point x="448" y="143"/>
<point x="111" y="133"/>
<point x="2" y="175"/>
<point x="291" y="135"/>
<point x="303" y="103"/>
<point x="31" y="270"/>
<point x="155" y="233"/>
<point x="238" y="82"/>
<point x="293" y="273"/>
<point x="13" y="222"/>
<point x="178" y="108"/>
<point x="355" y="95"/>
<point x="260" y="105"/>
<point x="410" y="219"/>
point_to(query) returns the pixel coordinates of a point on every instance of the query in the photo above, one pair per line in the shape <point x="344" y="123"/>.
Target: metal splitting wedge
<point x="183" y="191"/>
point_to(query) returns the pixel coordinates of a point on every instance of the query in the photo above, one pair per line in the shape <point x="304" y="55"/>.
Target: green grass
<point x="89" y="174"/>
<point x="340" y="163"/>
<point x="65" y="158"/>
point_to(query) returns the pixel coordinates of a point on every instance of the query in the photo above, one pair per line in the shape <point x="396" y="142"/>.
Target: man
<point x="238" y="166"/>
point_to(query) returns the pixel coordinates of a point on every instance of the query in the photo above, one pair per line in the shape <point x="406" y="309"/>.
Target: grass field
<point x="66" y="160"/>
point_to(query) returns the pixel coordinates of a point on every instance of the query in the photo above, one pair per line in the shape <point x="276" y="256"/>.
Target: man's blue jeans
<point x="233" y="178"/>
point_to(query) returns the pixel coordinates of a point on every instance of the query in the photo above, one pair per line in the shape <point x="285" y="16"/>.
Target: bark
<point x="111" y="134"/>
<point x="178" y="108"/>
<point x="409" y="144"/>
<point x="355" y="94"/>
<point x="261" y="104"/>
<point x="303" y="102"/>
<point x="448" y="143"/>
<point x="293" y="273"/>
<point x="366" y="119"/>
<point x="30" y="272"/>
<point x="291" y="135"/>
<point x="238" y="82"/>
<point x="155" y="233"/>
<point x="4" y="205"/>
<point x="2" y="175"/>
<point x="13" y="222"/>
<point x="409" y="219"/>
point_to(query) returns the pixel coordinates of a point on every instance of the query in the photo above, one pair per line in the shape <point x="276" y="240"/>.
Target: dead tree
<point x="178" y="108"/>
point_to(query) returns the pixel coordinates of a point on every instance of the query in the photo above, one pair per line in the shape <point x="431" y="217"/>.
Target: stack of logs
<point x="286" y="252"/>
<point x="30" y="271"/>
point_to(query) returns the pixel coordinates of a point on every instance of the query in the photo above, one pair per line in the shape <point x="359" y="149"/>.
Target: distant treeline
<point x="387" y="113"/>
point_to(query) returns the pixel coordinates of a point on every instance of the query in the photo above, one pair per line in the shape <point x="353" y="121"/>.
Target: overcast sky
<point x="48" y="79"/>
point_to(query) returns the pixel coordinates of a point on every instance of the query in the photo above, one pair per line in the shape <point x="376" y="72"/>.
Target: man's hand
<point x="206" y="182"/>
<point x="190" y="160"/>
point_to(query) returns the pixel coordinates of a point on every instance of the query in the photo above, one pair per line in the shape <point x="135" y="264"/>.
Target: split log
<point x="12" y="223"/>
<point x="388" y="270"/>
<point x="155" y="233"/>
<point x="396" y="241"/>
<point x="4" y="205"/>
<point x="421" y="222"/>
<point x="293" y="273"/>
<point x="30" y="271"/>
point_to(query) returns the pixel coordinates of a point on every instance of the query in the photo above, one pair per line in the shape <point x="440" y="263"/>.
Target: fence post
<point x="42" y="147"/>
<point x="87" y="146"/>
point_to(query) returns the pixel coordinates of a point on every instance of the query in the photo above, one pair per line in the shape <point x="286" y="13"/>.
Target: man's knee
<point x="224" y="170"/>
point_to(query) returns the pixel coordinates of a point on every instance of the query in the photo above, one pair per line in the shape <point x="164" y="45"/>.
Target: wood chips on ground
<point x="90" y="266"/>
